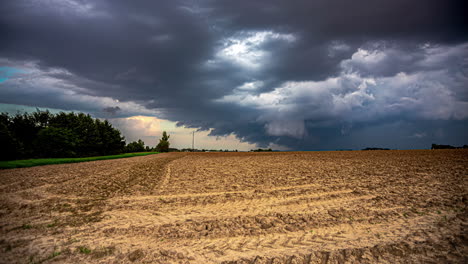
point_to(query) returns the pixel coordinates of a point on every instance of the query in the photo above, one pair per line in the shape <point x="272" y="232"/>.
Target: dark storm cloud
<point x="111" y="110"/>
<point x="334" y="19"/>
<point x="319" y="23"/>
<point x="294" y="73"/>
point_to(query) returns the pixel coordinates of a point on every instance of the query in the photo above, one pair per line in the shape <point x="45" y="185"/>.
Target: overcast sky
<point x="291" y="75"/>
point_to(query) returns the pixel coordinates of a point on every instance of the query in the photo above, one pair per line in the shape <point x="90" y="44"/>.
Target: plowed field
<point x="296" y="207"/>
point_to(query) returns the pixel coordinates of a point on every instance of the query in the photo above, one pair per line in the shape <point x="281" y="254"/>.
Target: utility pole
<point x="193" y="141"/>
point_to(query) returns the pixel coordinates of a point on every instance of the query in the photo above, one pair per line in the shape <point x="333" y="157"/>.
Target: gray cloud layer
<point x="302" y="74"/>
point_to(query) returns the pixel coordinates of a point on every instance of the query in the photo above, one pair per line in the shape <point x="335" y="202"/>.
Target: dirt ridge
<point x="325" y="207"/>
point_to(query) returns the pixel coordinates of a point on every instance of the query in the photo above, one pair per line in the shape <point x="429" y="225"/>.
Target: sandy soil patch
<point x="298" y="207"/>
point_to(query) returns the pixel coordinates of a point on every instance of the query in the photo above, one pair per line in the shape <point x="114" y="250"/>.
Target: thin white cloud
<point x="419" y="135"/>
<point x="336" y="48"/>
<point x="251" y="85"/>
<point x="65" y="8"/>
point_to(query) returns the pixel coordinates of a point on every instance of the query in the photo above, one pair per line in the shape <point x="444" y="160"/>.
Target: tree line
<point x="139" y="146"/>
<point x="436" y="146"/>
<point x="45" y="135"/>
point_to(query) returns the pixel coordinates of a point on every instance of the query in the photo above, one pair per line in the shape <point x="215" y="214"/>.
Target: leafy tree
<point x="163" y="145"/>
<point x="42" y="134"/>
<point x="136" y="146"/>
<point x="111" y="140"/>
<point x="56" y="142"/>
<point x="11" y="148"/>
<point x="24" y="129"/>
<point x="42" y="118"/>
<point x="89" y="141"/>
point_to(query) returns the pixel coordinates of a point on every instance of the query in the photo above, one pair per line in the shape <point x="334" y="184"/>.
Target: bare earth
<point x="303" y="207"/>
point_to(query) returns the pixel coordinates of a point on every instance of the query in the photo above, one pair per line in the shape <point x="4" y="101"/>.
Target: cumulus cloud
<point x="146" y="128"/>
<point x="360" y="95"/>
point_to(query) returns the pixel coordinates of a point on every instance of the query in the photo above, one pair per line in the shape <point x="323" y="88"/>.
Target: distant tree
<point x="136" y="146"/>
<point x="376" y="149"/>
<point x="163" y="145"/>
<point x="261" y="150"/>
<point x="435" y="146"/>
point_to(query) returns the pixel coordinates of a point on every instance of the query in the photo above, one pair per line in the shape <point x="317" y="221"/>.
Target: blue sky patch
<point x="8" y="72"/>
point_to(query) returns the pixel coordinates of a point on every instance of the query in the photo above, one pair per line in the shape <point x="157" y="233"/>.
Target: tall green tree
<point x="163" y="145"/>
<point x="111" y="139"/>
<point x="11" y="147"/>
<point x="42" y="134"/>
<point x="54" y="142"/>
<point x="135" y="146"/>
<point x="25" y="129"/>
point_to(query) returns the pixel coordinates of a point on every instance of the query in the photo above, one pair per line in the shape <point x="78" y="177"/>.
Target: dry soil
<point x="295" y="207"/>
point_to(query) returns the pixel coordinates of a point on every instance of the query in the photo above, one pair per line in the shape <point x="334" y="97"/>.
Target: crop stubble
<point x="295" y="207"/>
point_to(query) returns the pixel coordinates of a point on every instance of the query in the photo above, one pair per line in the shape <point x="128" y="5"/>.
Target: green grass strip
<point x="38" y="162"/>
